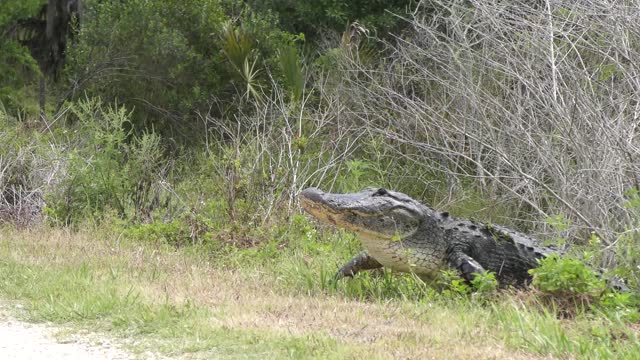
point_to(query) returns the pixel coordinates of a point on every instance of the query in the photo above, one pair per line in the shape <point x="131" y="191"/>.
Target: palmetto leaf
<point x="250" y="75"/>
<point x="237" y="45"/>
<point x="292" y="70"/>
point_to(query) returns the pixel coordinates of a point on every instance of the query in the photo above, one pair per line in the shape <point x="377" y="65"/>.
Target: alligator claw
<point x="343" y="273"/>
<point x="360" y="262"/>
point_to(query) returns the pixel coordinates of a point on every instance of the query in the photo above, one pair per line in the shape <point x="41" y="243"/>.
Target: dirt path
<point x="25" y="341"/>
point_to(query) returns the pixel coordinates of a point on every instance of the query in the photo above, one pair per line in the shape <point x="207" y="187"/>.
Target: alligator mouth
<point x="327" y="209"/>
<point x="320" y="211"/>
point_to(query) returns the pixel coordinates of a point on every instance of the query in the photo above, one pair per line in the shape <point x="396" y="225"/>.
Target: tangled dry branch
<point x="539" y="102"/>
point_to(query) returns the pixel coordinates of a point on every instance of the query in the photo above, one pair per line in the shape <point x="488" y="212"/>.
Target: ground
<point x="20" y="340"/>
<point x="114" y="297"/>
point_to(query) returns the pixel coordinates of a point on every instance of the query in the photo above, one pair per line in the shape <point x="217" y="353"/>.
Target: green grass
<point x="278" y="301"/>
<point x="589" y="336"/>
<point x="86" y="297"/>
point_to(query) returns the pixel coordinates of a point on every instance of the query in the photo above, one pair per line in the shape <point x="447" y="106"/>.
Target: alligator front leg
<point x="360" y="262"/>
<point x="465" y="264"/>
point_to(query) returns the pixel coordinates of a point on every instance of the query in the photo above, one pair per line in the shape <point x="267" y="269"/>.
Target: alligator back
<point x="507" y="253"/>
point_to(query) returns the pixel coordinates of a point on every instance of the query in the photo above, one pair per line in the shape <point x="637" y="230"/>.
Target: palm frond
<point x="292" y="70"/>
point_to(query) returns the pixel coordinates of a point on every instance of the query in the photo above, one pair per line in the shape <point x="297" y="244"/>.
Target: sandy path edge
<point x="20" y="340"/>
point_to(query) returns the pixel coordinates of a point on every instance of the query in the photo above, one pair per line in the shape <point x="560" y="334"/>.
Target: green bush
<point x="624" y="306"/>
<point x="18" y="69"/>
<point x="107" y="168"/>
<point x="168" y="60"/>
<point x="174" y="233"/>
<point x="453" y="284"/>
<point x="566" y="276"/>
<point x="160" y="57"/>
<point x="568" y="285"/>
<point x="485" y="283"/>
<point x="314" y="18"/>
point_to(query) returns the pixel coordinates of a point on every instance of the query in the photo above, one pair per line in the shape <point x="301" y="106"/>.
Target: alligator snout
<point x="314" y="198"/>
<point x="312" y="194"/>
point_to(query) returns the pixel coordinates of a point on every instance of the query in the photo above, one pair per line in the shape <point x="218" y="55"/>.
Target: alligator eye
<point x="381" y="192"/>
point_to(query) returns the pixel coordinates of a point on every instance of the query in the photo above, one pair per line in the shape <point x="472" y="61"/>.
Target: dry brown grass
<point x="394" y="329"/>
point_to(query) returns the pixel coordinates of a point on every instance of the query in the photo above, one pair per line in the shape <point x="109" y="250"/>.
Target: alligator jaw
<point x="313" y="203"/>
<point x="374" y="213"/>
<point x="382" y="220"/>
<point x="335" y="203"/>
<point x="324" y="207"/>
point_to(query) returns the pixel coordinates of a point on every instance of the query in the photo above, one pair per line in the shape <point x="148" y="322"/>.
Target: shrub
<point x="108" y="168"/>
<point x="29" y="164"/>
<point x="168" y="60"/>
<point x="569" y="286"/>
<point x="485" y="283"/>
<point x="18" y="69"/>
<point x="316" y="18"/>
<point x="564" y="276"/>
<point x="173" y="232"/>
<point x="622" y="306"/>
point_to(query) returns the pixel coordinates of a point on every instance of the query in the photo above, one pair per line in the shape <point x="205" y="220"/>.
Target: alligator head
<point x="373" y="213"/>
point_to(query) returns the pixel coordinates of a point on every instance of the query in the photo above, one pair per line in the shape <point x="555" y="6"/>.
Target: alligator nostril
<point x="381" y="192"/>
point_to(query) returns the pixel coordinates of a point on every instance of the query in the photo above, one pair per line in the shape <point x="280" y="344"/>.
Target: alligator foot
<point x="465" y="264"/>
<point x="360" y="262"/>
<point x="618" y="284"/>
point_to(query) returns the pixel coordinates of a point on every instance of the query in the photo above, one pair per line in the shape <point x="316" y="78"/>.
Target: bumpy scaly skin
<point x="404" y="235"/>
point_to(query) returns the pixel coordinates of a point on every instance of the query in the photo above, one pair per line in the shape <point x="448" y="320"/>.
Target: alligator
<point x="404" y="235"/>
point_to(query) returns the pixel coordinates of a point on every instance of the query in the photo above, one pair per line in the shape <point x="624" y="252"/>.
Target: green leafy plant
<point x="292" y="70"/>
<point x="173" y="232"/>
<point x="108" y="168"/>
<point x="18" y="68"/>
<point x="623" y="306"/>
<point x="566" y="276"/>
<point x="484" y="283"/>
<point x="453" y="284"/>
<point x="567" y="285"/>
